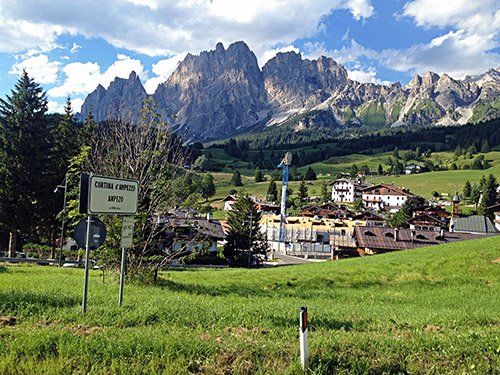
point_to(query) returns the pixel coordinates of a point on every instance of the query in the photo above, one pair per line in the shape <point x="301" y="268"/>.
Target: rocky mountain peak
<point x="222" y="92"/>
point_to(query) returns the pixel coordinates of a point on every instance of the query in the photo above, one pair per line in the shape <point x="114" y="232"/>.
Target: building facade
<point x="347" y="190"/>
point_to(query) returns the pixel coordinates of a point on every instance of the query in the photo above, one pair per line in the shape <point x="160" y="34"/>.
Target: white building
<point x="387" y="197"/>
<point x="347" y="190"/>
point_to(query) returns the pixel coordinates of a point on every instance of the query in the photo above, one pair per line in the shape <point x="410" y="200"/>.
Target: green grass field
<point x="427" y="311"/>
<point x="424" y="184"/>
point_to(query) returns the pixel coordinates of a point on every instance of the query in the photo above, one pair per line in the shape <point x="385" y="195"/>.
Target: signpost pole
<point x="87" y="260"/>
<point x="122" y="275"/>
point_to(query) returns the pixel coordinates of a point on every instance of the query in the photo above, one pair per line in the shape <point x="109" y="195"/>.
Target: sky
<point x="70" y="47"/>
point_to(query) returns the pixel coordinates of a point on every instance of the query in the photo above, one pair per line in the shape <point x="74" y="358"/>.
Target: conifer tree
<point x="488" y="198"/>
<point x="236" y="178"/>
<point x="310" y="174"/>
<point x="324" y="192"/>
<point x="244" y="229"/>
<point x="302" y="190"/>
<point x="25" y="156"/>
<point x="258" y="175"/>
<point x="207" y="186"/>
<point x="272" y="192"/>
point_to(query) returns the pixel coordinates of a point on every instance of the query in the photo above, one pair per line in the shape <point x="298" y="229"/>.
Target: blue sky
<point x="70" y="47"/>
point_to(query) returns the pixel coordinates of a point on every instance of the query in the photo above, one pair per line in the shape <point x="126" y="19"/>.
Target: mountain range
<point x="220" y="93"/>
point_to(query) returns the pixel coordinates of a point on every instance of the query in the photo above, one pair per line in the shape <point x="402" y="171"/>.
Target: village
<point x="333" y="230"/>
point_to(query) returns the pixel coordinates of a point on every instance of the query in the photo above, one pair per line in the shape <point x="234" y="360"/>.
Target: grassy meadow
<point x="423" y="184"/>
<point x="432" y="310"/>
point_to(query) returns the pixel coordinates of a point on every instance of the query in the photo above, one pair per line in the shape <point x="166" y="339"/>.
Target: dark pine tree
<point x="272" y="192"/>
<point x="244" y="229"/>
<point x="236" y="178"/>
<point x="26" y="157"/>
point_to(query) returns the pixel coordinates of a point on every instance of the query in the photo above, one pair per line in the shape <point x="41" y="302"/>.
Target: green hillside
<point x="430" y="310"/>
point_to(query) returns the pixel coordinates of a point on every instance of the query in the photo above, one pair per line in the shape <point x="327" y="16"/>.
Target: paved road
<point x="287" y="260"/>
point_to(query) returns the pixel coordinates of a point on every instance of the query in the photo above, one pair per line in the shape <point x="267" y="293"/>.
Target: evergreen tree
<point x="303" y="190"/>
<point x="395" y="153"/>
<point x="258" y="175"/>
<point x="354" y="171"/>
<point x="485" y="146"/>
<point x="201" y="163"/>
<point x="325" y="196"/>
<point x="207" y="186"/>
<point x="272" y="192"/>
<point x="236" y="178"/>
<point x="418" y="152"/>
<point x="244" y="229"/>
<point x="25" y="157"/>
<point x="467" y="189"/>
<point x="310" y="174"/>
<point x="399" y="168"/>
<point x="400" y="218"/>
<point x="489" y="195"/>
<point x="380" y="170"/>
<point x="358" y="204"/>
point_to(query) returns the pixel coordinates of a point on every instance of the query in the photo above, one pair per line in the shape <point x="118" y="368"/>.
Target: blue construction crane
<point x="285" y="163"/>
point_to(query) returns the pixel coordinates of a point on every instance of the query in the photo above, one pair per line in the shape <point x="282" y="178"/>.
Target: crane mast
<point x="285" y="163"/>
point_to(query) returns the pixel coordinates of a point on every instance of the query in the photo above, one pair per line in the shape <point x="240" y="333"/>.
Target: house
<point x="416" y="168"/>
<point x="438" y="211"/>
<point x="229" y="201"/>
<point x="311" y="236"/>
<point x="188" y="233"/>
<point x="427" y="222"/>
<point x="496" y="211"/>
<point x="388" y="197"/>
<point x="371" y="219"/>
<point x="476" y="224"/>
<point x="266" y="207"/>
<point x="347" y="190"/>
<point x="262" y="206"/>
<point x="376" y="240"/>
<point x="327" y="210"/>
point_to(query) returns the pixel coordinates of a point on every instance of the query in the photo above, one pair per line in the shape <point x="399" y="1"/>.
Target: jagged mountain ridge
<point x="222" y="92"/>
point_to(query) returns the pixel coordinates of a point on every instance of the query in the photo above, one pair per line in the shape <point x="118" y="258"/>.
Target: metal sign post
<point x="87" y="261"/>
<point x="304" y="346"/>
<point x="106" y="196"/>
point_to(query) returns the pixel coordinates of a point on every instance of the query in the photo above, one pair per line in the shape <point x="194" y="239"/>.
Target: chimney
<point x="209" y="217"/>
<point x="396" y="234"/>
<point x="413" y="235"/>
<point x="442" y="232"/>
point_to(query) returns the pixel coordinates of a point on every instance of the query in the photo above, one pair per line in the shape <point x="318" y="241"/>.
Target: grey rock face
<point x="122" y="99"/>
<point x="222" y="92"/>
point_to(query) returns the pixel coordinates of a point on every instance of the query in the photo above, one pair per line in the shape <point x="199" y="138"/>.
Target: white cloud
<point x="269" y="54"/>
<point x="75" y="48"/>
<point x="169" y="27"/>
<point x="368" y="75"/>
<point x="360" y="8"/>
<point x="17" y="35"/>
<point x="38" y="67"/>
<point x="76" y="103"/>
<point x="82" y="78"/>
<point x="163" y="69"/>
<point x="455" y="53"/>
<point x="55" y="107"/>
<point x="458" y="13"/>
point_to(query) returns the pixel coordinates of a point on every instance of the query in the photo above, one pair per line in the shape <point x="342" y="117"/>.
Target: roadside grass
<point x="428" y="310"/>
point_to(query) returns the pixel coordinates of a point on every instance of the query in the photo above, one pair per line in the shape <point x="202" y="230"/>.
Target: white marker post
<point x="304" y="346"/>
<point x="126" y="242"/>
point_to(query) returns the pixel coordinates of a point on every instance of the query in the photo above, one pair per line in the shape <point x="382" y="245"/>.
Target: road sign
<point x="127" y="232"/>
<point x="97" y="235"/>
<point x="109" y="195"/>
